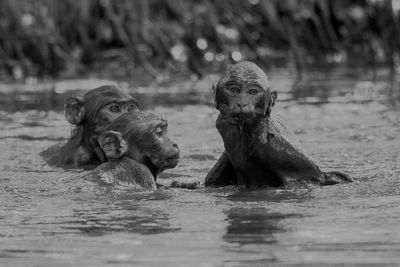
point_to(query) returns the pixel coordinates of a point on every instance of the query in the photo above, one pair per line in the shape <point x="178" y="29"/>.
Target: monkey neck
<point x="85" y="136"/>
<point x="247" y="137"/>
<point x="135" y="154"/>
<point x="153" y="169"/>
<point x="90" y="135"/>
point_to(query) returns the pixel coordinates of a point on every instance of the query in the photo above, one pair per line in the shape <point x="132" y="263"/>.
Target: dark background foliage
<point x="69" y="38"/>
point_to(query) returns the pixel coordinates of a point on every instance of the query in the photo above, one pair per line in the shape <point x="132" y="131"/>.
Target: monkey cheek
<point x="167" y="160"/>
<point x="224" y="109"/>
<point x="167" y="163"/>
<point x="173" y="159"/>
<point x="259" y="111"/>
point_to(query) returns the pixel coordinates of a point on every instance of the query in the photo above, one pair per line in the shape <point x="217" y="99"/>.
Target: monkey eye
<point x="159" y="131"/>
<point x="253" y="91"/>
<point x="115" y="108"/>
<point x="234" y="89"/>
<point x="131" y="107"/>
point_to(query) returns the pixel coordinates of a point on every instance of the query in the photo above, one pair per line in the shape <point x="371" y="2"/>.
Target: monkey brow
<point x="234" y="81"/>
<point x="118" y="101"/>
<point x="162" y="124"/>
<point x="255" y="82"/>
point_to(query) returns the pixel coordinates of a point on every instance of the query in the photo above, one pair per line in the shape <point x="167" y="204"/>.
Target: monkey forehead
<point x="107" y="93"/>
<point x="135" y="119"/>
<point x="106" y="90"/>
<point x="141" y="116"/>
<point x="244" y="71"/>
<point x="96" y="99"/>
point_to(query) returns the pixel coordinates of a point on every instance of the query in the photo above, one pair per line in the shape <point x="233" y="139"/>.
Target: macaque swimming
<point x="259" y="148"/>
<point x="90" y="114"/>
<point x="138" y="149"/>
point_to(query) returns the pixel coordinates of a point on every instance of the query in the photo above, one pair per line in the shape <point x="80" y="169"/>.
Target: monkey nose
<point x="241" y="105"/>
<point x="175" y="147"/>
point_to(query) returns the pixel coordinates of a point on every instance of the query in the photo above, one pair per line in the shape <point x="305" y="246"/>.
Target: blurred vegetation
<point x="53" y="38"/>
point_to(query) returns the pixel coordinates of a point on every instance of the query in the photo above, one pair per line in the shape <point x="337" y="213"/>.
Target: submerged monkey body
<point x="124" y="171"/>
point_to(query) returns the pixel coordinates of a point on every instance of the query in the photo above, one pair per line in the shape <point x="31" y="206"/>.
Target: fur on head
<point x="244" y="89"/>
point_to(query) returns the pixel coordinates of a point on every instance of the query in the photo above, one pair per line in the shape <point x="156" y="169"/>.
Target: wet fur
<point x="259" y="147"/>
<point x="142" y="159"/>
<point x="82" y="148"/>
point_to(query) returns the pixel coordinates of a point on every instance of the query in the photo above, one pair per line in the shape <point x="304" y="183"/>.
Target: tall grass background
<point x="68" y="38"/>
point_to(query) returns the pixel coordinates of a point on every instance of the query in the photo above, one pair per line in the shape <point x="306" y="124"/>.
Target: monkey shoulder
<point x="281" y="132"/>
<point x="279" y="144"/>
<point x="123" y="171"/>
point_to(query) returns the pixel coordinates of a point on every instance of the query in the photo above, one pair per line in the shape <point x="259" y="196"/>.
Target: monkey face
<point x="114" y="109"/>
<point x="245" y="99"/>
<point x="98" y="108"/>
<point x="143" y="137"/>
<point x="159" y="149"/>
<point x="243" y="93"/>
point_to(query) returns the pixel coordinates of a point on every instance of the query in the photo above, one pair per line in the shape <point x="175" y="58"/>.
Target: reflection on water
<point x="129" y="217"/>
<point x="347" y="119"/>
<point x="252" y="226"/>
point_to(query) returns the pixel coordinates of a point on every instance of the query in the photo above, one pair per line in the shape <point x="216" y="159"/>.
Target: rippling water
<point x="347" y="120"/>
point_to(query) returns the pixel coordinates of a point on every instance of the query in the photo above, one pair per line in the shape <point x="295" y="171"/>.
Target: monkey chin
<point x="167" y="163"/>
<point x="246" y="120"/>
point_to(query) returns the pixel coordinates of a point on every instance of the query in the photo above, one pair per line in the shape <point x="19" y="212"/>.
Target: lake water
<point x="348" y="119"/>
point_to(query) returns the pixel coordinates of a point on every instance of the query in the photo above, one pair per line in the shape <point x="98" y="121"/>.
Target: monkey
<point x="260" y="149"/>
<point x="90" y="114"/>
<point x="138" y="149"/>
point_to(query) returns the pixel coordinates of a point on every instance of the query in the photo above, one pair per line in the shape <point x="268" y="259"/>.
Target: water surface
<point x="347" y="119"/>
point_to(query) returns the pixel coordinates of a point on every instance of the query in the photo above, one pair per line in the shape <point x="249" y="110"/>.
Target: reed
<point x="42" y="38"/>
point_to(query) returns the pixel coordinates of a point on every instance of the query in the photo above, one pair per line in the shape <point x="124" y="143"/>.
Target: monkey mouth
<point x="242" y="117"/>
<point x="172" y="161"/>
<point x="167" y="163"/>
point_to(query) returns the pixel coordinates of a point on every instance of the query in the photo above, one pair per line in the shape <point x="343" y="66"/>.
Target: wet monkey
<point x="138" y="150"/>
<point x="260" y="149"/>
<point x="90" y="114"/>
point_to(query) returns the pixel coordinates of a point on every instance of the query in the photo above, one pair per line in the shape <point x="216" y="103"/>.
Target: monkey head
<point x="243" y="92"/>
<point x="98" y="107"/>
<point x="143" y="137"/>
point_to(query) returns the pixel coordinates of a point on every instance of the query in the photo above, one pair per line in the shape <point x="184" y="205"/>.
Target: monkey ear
<point x="214" y="92"/>
<point x="74" y="110"/>
<point x="274" y="95"/>
<point x="113" y="144"/>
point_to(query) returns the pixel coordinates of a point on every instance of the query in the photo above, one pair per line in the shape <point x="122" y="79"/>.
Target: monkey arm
<point x="222" y="173"/>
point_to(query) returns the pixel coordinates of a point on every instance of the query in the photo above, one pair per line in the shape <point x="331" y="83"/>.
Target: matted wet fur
<point x="138" y="149"/>
<point x="259" y="147"/>
<point x="90" y="115"/>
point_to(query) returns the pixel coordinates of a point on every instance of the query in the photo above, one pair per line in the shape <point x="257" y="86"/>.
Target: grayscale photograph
<point x="204" y="133"/>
